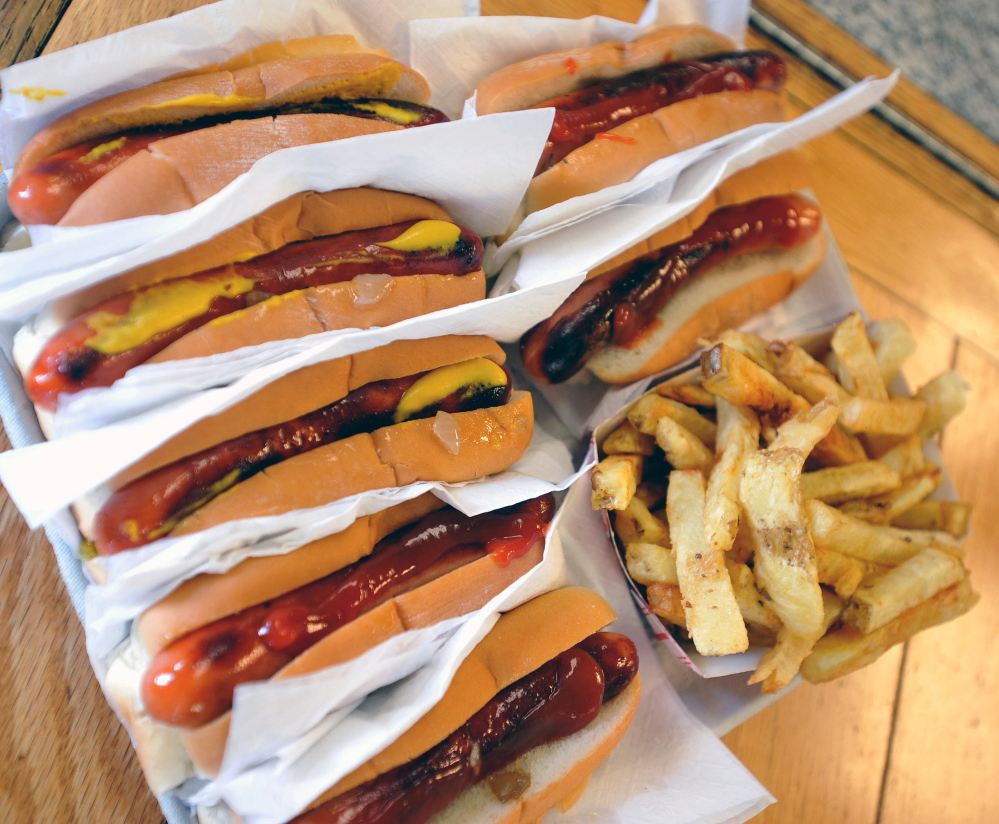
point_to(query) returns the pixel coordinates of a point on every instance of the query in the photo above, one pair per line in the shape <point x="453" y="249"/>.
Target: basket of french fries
<point x="783" y="507"/>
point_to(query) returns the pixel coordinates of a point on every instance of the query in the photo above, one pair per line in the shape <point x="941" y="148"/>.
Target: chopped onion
<point x="370" y="288"/>
<point x="446" y="428"/>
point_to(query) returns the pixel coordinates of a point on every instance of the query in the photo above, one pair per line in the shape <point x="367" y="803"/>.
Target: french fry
<point x="666" y="601"/>
<point x="835" y="484"/>
<point x="626" y="439"/>
<point x="835" y="530"/>
<point x="690" y="394"/>
<point x="906" y="457"/>
<point x="756" y="612"/>
<point x="785" y="555"/>
<point x="781" y="662"/>
<point x="807" y="428"/>
<point x="945" y="396"/>
<point x="953" y="517"/>
<point x="650" y="564"/>
<point x="893" y="344"/>
<point x="738" y="434"/>
<point x="881" y="509"/>
<point x="905" y="586"/>
<point x="647" y="411"/>
<point x="713" y="616"/>
<point x="635" y="524"/>
<point x="858" y="368"/>
<point x="651" y="493"/>
<point x="684" y="450"/>
<point x="898" y="416"/>
<point x="752" y="346"/>
<point x="614" y="481"/>
<point x="846" y="650"/>
<point x="841" y="572"/>
<point x="805" y="375"/>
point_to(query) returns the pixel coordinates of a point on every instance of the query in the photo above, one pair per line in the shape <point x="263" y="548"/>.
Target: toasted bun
<point x="490" y="440"/>
<point x="666" y="131"/>
<point x="721" y="298"/>
<point x="460" y="592"/>
<point x="179" y="172"/>
<point x="778" y="175"/>
<point x="537" y="79"/>
<point x="207" y="598"/>
<point x="253" y="88"/>
<point x="521" y="641"/>
<point x="311" y="388"/>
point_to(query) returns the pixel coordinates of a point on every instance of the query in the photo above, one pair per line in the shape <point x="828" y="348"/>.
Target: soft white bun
<point x="723" y="297"/>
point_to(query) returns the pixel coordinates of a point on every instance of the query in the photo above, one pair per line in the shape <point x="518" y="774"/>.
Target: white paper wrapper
<point x="142" y="577"/>
<point x="210" y="34"/>
<point x="293" y="774"/>
<point x="452" y="164"/>
<point x="475" y="47"/>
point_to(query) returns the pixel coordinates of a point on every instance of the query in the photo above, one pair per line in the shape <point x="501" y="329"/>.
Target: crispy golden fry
<point x="651" y="493"/>
<point x="806" y="429"/>
<point x="805" y="375"/>
<point x="785" y="555"/>
<point x="754" y="607"/>
<point x="841" y="572"/>
<point x="626" y="439"/>
<point x="893" y="343"/>
<point x="734" y="377"/>
<point x="738" y="434"/>
<point x="846" y="650"/>
<point x="684" y="450"/>
<point x="859" y="371"/>
<point x="647" y="411"/>
<point x="637" y="525"/>
<point x="901" y="588"/>
<point x="666" y="601"/>
<point x="905" y="457"/>
<point x="713" y="616"/>
<point x="742" y="549"/>
<point x="898" y="416"/>
<point x="614" y="481"/>
<point x="945" y="396"/>
<point x="835" y="530"/>
<point x="752" y="346"/>
<point x="836" y="484"/>
<point x="650" y="564"/>
<point x="781" y="663"/>
<point x="950" y="516"/>
<point x="690" y="394"/>
<point x="881" y="509"/>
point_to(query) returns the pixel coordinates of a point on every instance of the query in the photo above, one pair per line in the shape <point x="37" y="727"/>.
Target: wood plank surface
<point x="25" y="27"/>
<point x="910" y="739"/>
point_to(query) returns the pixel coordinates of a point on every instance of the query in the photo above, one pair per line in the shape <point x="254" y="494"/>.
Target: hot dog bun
<point x="601" y="163"/>
<point x="489" y="439"/>
<point x="255" y="87"/>
<point x="169" y="755"/>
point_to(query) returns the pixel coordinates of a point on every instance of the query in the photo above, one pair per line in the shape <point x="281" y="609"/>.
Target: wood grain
<point x="25" y="26"/>
<point x="945" y="752"/>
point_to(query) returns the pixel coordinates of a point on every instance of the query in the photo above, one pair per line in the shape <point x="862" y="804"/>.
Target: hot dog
<point x="747" y="248"/>
<point x="170" y="145"/>
<point x="439" y="409"/>
<point x="567" y="694"/>
<point x="406" y="567"/>
<point x="346" y="259"/>
<point x="620" y="106"/>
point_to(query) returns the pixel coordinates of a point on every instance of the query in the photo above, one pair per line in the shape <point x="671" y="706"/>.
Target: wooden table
<point x="911" y="739"/>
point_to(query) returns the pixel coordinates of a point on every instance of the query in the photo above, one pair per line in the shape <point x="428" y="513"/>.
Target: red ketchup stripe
<point x="192" y="681"/>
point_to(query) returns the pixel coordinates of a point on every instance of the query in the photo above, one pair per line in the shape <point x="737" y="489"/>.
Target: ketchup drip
<point x="583" y="114"/>
<point x="192" y="681"/>
<point x="44" y="193"/>
<point x="553" y="702"/>
<point x="151" y="506"/>
<point x="69" y="363"/>
<point x="620" y="306"/>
